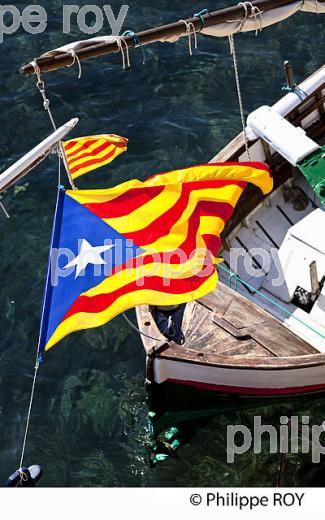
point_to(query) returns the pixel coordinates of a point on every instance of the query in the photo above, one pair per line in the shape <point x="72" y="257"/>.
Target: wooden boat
<point x="248" y="338"/>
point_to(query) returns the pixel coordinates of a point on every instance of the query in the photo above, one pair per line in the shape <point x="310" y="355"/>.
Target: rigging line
<point x="29" y="415"/>
<point x="190" y="30"/>
<point x="38" y="359"/>
<point x="46" y="103"/>
<point x="134" y="327"/>
<point x="240" y="99"/>
<point x="283" y="309"/>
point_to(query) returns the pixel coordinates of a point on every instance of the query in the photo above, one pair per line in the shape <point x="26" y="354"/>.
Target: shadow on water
<point x="89" y="423"/>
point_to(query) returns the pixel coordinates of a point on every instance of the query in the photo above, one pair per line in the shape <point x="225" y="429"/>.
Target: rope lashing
<point x="201" y="16"/>
<point x="124" y="52"/>
<point x="46" y="103"/>
<point x="254" y="11"/>
<point x="244" y="19"/>
<point x="280" y="307"/>
<point x="75" y="59"/>
<point x="240" y="99"/>
<point x="134" y="327"/>
<point x="190" y="31"/>
<point x="257" y="13"/>
<point x="136" y="43"/>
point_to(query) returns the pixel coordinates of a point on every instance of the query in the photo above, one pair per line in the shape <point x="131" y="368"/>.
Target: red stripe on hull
<point x="261" y="392"/>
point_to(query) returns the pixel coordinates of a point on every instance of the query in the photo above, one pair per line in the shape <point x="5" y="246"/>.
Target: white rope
<point x="75" y="59"/>
<point x="190" y="31"/>
<point x="243" y="21"/>
<point x="37" y="361"/>
<point x="124" y="51"/>
<point x="240" y="99"/>
<point x="28" y="416"/>
<point x="136" y="328"/>
<point x="256" y="12"/>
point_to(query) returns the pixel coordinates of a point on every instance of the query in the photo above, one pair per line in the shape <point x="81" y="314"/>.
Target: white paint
<point x="240" y="377"/>
<point x="290" y="142"/>
<point x="36" y="155"/>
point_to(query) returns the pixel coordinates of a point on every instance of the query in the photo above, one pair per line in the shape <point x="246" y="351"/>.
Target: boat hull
<point x="241" y="381"/>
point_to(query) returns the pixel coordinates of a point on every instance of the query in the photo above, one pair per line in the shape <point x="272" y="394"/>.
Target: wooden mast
<point x="176" y="29"/>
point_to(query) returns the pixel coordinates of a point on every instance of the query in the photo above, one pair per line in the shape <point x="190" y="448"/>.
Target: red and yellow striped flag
<point x="85" y="154"/>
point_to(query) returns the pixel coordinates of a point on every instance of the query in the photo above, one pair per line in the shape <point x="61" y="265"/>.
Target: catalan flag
<point x="153" y="242"/>
<point x="85" y="154"/>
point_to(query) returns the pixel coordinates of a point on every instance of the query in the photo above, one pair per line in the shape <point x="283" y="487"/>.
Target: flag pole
<point x="66" y="165"/>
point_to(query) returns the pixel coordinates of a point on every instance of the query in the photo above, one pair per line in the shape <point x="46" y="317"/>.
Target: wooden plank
<point x="244" y="319"/>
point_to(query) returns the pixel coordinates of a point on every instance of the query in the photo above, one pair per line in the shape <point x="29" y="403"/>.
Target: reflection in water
<point x="89" y="424"/>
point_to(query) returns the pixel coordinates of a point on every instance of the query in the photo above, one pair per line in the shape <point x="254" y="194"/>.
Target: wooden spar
<point x="176" y="29"/>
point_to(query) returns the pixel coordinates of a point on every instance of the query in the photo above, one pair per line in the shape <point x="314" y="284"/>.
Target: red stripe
<point x="204" y="209"/>
<point x="240" y="390"/>
<point x="84" y="146"/>
<point x="93" y="153"/>
<point x="163" y="224"/>
<point x="213" y="243"/>
<point x="92" y="162"/>
<point x="101" y="302"/>
<point x="125" y="203"/>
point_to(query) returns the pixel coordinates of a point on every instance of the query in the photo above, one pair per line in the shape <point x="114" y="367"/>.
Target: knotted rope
<point x="190" y="31"/>
<point x="75" y="59"/>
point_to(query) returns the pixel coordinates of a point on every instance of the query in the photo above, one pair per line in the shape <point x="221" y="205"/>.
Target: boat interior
<point x="269" y="304"/>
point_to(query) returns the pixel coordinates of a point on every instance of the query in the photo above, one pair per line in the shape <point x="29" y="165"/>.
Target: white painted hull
<point x="241" y="381"/>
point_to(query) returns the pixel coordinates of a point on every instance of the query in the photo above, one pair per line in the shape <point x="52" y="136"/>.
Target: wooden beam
<point x="51" y="63"/>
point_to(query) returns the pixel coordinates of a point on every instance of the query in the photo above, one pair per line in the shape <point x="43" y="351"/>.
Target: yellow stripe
<point x="74" y="163"/>
<point x="260" y="178"/>
<point x="88" y="169"/>
<point x="84" y="150"/>
<point x="168" y="270"/>
<point x="147" y="213"/>
<point x="83" y="320"/>
<point x="152" y="210"/>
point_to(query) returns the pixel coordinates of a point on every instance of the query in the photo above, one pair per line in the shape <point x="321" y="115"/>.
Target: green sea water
<point x="89" y="420"/>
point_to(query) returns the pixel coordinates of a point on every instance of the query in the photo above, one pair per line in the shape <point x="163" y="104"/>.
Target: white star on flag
<point x="88" y="255"/>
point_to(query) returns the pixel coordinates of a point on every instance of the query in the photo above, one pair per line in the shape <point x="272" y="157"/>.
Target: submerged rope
<point x="240" y="99"/>
<point x="283" y="309"/>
